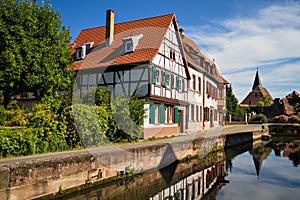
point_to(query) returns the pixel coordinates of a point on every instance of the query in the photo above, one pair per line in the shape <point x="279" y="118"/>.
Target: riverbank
<point x="49" y="173"/>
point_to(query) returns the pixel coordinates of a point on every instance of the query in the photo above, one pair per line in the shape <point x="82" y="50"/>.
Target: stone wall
<point x="32" y="176"/>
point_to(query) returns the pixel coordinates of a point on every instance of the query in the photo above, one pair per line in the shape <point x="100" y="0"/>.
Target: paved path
<point x="228" y="129"/>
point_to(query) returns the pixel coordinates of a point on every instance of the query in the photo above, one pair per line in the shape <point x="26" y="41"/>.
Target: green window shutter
<point x="175" y="114"/>
<point x="152" y="114"/>
<point x="163" y="78"/>
<point x="177" y="83"/>
<point x="162" y="114"/>
<point x="172" y="81"/>
<point x="153" y="74"/>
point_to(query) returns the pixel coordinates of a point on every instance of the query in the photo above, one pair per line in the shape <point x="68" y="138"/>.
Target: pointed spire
<point x="257" y="81"/>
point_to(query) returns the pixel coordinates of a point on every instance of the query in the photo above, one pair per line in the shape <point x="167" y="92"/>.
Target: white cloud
<point x="269" y="39"/>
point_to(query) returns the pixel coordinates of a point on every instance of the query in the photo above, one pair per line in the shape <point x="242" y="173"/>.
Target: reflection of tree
<point x="229" y="166"/>
<point x="259" y="154"/>
<point x="290" y="150"/>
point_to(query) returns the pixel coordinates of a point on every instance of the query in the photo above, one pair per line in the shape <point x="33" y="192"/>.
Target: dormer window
<point x="80" y="52"/>
<point x="83" y="50"/>
<point x="128" y="46"/>
<point x="130" y="43"/>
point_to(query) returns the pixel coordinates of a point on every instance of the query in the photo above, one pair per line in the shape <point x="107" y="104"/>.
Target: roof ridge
<point x="148" y="18"/>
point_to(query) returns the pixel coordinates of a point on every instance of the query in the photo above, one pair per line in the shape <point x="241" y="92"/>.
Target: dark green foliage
<point x="14" y="115"/>
<point x="111" y="119"/>
<point x="231" y="100"/>
<point x="264" y="101"/>
<point x="294" y="100"/>
<point x="2" y="115"/>
<point x="259" y="118"/>
<point x="232" y="107"/>
<point x="33" y="49"/>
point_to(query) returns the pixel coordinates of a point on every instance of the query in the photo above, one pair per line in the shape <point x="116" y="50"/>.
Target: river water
<point x="262" y="170"/>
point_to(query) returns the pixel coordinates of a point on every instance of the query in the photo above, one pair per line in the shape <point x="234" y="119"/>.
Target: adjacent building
<point x="151" y="58"/>
<point x="206" y="92"/>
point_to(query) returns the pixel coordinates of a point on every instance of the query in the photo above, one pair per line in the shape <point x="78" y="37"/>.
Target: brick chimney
<point x="110" y="22"/>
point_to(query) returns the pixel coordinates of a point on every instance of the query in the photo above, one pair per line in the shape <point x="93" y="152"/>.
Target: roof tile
<point x="153" y="30"/>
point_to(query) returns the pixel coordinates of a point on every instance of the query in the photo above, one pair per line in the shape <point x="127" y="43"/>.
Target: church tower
<point x="257" y="94"/>
<point x="257" y="81"/>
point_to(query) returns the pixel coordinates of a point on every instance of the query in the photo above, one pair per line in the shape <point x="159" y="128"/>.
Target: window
<point x="199" y="84"/>
<point x="156" y="114"/>
<point x="178" y="83"/>
<point x="206" y="114"/>
<point x="167" y="80"/>
<point x="153" y="74"/>
<point x="215" y="115"/>
<point x="163" y="78"/>
<point x="194" y="82"/>
<point x="172" y="81"/>
<point x="170" y="114"/>
<point x="130" y="43"/>
<point x="220" y="94"/>
<point x="172" y="54"/>
<point x="197" y="113"/>
<point x="128" y="46"/>
<point x="80" y="52"/>
<point x="157" y="75"/>
<point x="200" y="113"/>
<point x="192" y="113"/>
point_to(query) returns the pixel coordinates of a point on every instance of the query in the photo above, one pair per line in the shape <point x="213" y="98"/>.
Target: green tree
<point x="294" y="100"/>
<point x="232" y="106"/>
<point x="264" y="101"/>
<point x="34" y="50"/>
<point x="231" y="101"/>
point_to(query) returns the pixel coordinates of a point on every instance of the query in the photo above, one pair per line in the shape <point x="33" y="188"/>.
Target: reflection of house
<point x="258" y="92"/>
<point x="146" y="58"/>
<point x="194" y="186"/>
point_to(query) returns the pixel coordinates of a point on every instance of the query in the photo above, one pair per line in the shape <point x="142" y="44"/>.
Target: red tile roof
<point x="153" y="30"/>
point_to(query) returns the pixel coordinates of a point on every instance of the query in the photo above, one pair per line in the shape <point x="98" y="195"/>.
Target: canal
<point x="259" y="170"/>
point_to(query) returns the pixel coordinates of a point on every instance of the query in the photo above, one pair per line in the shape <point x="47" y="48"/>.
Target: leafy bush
<point x="2" y="115"/>
<point x="281" y="119"/>
<point x="294" y="119"/>
<point x="14" y="115"/>
<point x="89" y="126"/>
<point x="259" y="118"/>
<point x="17" y="142"/>
<point x="287" y="119"/>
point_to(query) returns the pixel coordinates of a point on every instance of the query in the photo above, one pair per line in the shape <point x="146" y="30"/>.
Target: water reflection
<point x="254" y="172"/>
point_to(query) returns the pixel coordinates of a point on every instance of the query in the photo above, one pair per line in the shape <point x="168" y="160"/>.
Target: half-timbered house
<point x="142" y="57"/>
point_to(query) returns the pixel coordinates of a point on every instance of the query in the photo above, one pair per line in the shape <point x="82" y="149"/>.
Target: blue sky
<point x="239" y="35"/>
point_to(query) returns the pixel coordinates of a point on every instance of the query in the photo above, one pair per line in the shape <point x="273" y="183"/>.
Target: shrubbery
<point x="259" y="118"/>
<point x="58" y="125"/>
<point x="287" y="119"/>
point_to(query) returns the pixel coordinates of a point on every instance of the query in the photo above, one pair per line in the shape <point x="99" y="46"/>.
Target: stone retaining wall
<point x="25" y="179"/>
